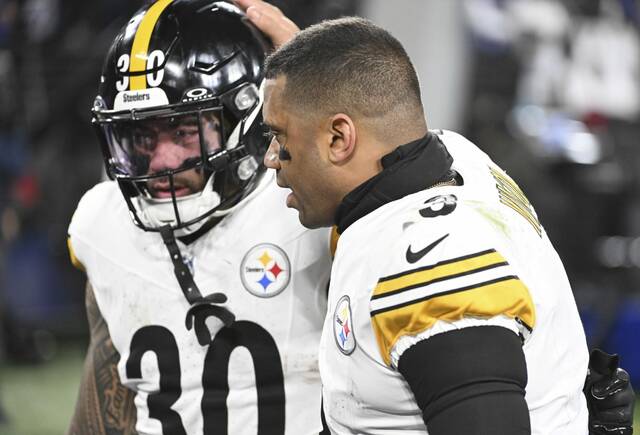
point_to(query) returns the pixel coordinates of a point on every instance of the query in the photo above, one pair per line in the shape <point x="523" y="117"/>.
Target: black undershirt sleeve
<point x="469" y="381"/>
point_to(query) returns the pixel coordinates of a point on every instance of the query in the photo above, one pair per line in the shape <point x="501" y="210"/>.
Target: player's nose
<point x="271" y="159"/>
<point x="166" y="155"/>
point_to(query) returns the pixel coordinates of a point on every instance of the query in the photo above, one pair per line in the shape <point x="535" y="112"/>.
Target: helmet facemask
<point x="199" y="63"/>
<point x="179" y="165"/>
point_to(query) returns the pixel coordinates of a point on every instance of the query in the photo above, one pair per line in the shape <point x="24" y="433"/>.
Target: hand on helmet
<point x="610" y="397"/>
<point x="270" y="20"/>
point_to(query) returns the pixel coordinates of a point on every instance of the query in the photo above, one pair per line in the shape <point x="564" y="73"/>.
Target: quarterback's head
<point x="178" y="112"/>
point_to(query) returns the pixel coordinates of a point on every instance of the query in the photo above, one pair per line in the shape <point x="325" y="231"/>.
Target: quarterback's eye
<point x="267" y="133"/>
<point x="270" y="135"/>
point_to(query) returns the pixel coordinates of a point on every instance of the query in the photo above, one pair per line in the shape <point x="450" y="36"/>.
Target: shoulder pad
<point x="445" y="271"/>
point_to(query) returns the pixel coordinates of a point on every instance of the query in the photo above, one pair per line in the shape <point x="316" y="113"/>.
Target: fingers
<point x="610" y="385"/>
<point x="622" y="416"/>
<point x="610" y="396"/>
<point x="614" y="400"/>
<point x="270" y="20"/>
<point x="620" y="399"/>
<point x="605" y="429"/>
<point x="602" y="362"/>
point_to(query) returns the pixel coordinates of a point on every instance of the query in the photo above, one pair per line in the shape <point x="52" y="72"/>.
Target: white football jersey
<point x="261" y="372"/>
<point x="446" y="258"/>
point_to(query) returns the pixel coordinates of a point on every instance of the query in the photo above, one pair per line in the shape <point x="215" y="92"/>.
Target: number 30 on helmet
<point x="178" y="112"/>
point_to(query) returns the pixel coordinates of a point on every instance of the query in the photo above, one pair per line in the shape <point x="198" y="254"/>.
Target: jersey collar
<point x="408" y="169"/>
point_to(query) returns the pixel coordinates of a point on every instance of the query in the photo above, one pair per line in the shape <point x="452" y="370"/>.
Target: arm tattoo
<point x="105" y="406"/>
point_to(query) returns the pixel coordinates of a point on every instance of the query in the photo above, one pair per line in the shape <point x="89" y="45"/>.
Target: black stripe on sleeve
<point x="431" y="266"/>
<point x="444" y="293"/>
<point x="442" y="278"/>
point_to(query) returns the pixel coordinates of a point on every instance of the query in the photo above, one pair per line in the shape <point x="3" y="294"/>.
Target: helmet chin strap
<point x="204" y="309"/>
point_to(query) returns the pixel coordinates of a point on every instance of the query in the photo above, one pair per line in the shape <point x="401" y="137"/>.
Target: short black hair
<point x="347" y="65"/>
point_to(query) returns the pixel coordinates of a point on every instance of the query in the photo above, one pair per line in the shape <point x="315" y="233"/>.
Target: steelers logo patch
<point x="343" y="326"/>
<point x="265" y="270"/>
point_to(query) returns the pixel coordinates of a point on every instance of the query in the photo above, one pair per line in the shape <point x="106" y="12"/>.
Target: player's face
<point x="301" y="167"/>
<point x="170" y="143"/>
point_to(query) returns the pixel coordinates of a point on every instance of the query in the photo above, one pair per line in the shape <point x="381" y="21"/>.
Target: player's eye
<point x="143" y="140"/>
<point x="268" y="135"/>
<point x="186" y="131"/>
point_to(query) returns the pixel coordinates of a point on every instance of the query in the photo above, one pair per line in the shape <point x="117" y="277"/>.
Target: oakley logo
<point x="413" y="257"/>
<point x="196" y="94"/>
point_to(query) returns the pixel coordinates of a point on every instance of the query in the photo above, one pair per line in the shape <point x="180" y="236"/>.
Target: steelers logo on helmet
<point x="343" y="326"/>
<point x="265" y="270"/>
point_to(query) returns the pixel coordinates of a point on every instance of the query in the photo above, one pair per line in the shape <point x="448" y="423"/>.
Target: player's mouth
<point x="291" y="198"/>
<point x="163" y="190"/>
<point x="280" y="182"/>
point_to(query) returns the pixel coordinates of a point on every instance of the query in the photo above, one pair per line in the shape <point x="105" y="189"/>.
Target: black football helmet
<point x="178" y="112"/>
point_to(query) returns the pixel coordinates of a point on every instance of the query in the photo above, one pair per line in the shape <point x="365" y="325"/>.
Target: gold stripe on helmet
<point x="140" y="46"/>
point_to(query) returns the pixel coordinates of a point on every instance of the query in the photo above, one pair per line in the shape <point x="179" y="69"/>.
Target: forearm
<point x="104" y="406"/>
<point x="102" y="409"/>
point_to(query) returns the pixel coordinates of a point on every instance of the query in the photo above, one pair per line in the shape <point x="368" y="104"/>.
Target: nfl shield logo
<point x="343" y="326"/>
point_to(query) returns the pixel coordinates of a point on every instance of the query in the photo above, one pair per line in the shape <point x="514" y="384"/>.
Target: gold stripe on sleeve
<point x="438" y="272"/>
<point x="504" y="296"/>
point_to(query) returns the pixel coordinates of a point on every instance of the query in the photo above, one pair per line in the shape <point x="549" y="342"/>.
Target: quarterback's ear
<point x="343" y="138"/>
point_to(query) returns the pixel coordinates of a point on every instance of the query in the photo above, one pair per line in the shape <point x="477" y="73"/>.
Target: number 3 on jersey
<point x="215" y="384"/>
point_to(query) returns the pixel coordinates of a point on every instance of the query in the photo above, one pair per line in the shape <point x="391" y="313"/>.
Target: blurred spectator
<point x="48" y="49"/>
<point x="556" y="95"/>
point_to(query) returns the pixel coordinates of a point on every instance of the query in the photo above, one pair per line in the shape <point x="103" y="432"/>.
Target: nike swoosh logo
<point x="412" y="257"/>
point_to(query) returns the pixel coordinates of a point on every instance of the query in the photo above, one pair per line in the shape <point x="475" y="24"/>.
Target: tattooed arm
<point x="105" y="406"/>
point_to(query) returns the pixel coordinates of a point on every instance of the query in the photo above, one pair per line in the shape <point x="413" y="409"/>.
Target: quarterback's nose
<point x="271" y="159"/>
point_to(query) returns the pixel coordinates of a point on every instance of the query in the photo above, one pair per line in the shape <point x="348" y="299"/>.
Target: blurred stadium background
<point x="549" y="88"/>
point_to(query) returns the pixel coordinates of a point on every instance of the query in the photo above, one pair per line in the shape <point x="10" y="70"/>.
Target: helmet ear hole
<point x="246" y="168"/>
<point x="246" y="97"/>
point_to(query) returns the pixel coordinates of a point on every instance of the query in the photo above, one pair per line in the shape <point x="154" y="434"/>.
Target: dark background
<point x="549" y="89"/>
